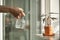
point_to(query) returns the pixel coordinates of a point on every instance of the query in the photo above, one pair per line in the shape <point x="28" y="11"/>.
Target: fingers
<point x="21" y="14"/>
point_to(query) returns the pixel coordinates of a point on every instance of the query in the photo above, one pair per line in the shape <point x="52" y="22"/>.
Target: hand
<point x="17" y="12"/>
<point x="21" y="13"/>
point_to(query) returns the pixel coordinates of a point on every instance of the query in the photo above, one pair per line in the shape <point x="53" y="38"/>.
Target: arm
<point x="14" y="11"/>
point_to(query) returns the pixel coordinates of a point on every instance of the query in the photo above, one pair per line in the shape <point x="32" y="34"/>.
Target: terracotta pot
<point x="48" y="30"/>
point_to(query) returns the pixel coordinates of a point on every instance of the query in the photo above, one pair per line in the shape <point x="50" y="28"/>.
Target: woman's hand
<point x="21" y="13"/>
<point x="17" y="12"/>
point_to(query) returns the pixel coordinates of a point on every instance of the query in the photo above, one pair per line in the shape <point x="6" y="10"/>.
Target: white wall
<point x="54" y="6"/>
<point x="42" y="7"/>
<point x="1" y="23"/>
<point x="1" y="26"/>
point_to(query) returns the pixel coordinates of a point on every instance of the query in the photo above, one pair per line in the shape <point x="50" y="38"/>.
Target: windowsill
<point x="56" y="37"/>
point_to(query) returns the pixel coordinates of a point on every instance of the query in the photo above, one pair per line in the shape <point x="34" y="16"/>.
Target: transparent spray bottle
<point x="20" y="23"/>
